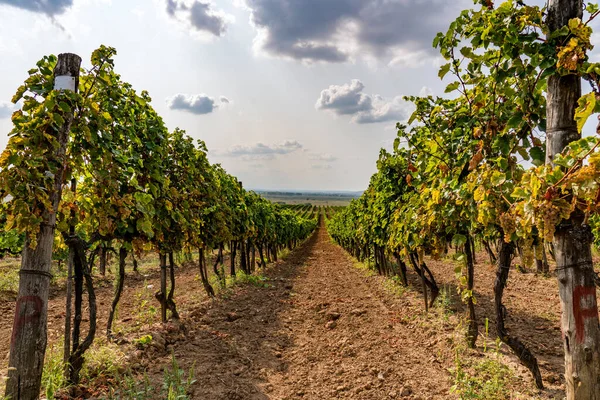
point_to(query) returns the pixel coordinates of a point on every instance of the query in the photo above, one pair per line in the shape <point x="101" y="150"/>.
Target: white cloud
<point x="349" y="99"/>
<point x="261" y="151"/>
<point x="425" y="91"/>
<point x="325" y="157"/>
<point x="6" y="110"/>
<point x="195" y="103"/>
<point x="321" y="166"/>
<point x="199" y="17"/>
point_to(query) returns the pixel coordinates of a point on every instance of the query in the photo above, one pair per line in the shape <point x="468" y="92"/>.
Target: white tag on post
<point x="64" y="82"/>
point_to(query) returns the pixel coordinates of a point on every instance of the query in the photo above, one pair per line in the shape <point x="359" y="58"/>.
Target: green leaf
<point x="444" y="70"/>
<point x="591" y="8"/>
<point x="145" y="225"/>
<point x="585" y="107"/>
<point x="64" y="106"/>
<point x="459" y="240"/>
<point x="519" y="193"/>
<point x="452" y="87"/>
<point x="498" y="178"/>
<point x="538" y="156"/>
<point x="20" y="91"/>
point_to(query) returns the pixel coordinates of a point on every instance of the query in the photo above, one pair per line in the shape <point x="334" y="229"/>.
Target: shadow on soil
<point x="541" y="335"/>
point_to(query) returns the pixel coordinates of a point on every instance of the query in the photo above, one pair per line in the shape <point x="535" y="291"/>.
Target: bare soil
<point x="321" y="328"/>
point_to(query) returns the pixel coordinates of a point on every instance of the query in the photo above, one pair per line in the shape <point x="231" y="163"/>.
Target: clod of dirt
<point x="406" y="391"/>
<point x="158" y="341"/>
<point x="357" y="312"/>
<point x="333" y="316"/>
<point x="232" y="316"/>
<point x="331" y="325"/>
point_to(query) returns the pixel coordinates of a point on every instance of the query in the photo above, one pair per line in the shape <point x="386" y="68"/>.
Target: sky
<point x="287" y="94"/>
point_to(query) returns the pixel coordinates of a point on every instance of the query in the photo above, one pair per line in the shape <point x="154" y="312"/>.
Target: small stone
<point x="232" y="316"/>
<point x="333" y="316"/>
<point x="393" y="394"/>
<point x="406" y="391"/>
<point x="158" y="340"/>
<point x="380" y="376"/>
<point x="331" y="325"/>
<point x="358" y="312"/>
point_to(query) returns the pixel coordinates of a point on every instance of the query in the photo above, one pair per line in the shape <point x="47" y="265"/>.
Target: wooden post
<point x="29" y="334"/>
<point x="573" y="237"/>
<point x="103" y="253"/>
<point x="163" y="287"/>
<point x="70" y="264"/>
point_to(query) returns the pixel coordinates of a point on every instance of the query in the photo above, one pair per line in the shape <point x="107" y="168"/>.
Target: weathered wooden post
<point x="573" y="238"/>
<point x="29" y="334"/>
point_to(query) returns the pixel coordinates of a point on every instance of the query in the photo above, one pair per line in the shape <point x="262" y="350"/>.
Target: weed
<point x="9" y="278"/>
<point x="251" y="279"/>
<point x="444" y="302"/>
<point x="146" y="312"/>
<point x="53" y="374"/>
<point x="130" y="388"/>
<point x="365" y="267"/>
<point x="103" y="359"/>
<point x="175" y="383"/>
<point x="486" y="379"/>
<point x="394" y="286"/>
<point x="143" y="342"/>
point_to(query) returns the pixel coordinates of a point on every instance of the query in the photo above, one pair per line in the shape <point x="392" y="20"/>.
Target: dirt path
<point x="321" y="330"/>
<point x="364" y="354"/>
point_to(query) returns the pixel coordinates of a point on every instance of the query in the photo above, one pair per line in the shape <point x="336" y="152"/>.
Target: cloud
<point x="425" y="91"/>
<point x="325" y="157"/>
<point x="199" y="16"/>
<point x="349" y="99"/>
<point x="261" y="151"/>
<point x="48" y="7"/>
<point x="345" y="99"/>
<point x="195" y="103"/>
<point x="321" y="166"/>
<point x="6" y="110"/>
<point x="341" y="30"/>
